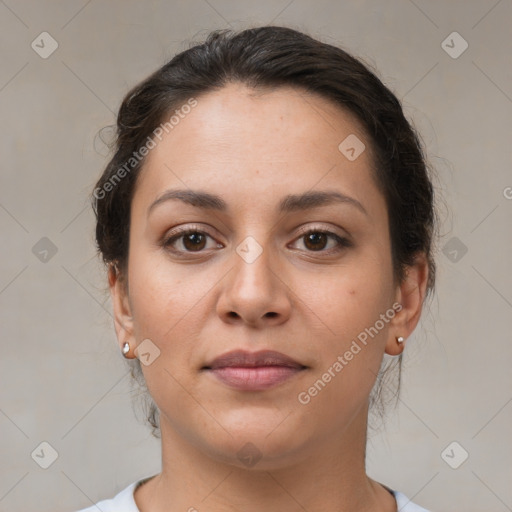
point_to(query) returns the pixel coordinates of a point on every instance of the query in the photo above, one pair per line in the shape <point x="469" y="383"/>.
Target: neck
<point x="329" y="475"/>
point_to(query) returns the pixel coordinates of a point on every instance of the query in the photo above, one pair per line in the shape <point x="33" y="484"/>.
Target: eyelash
<point x="343" y="243"/>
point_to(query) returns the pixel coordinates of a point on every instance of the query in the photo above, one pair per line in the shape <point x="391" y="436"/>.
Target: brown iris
<point x="194" y="241"/>
<point x="316" y="240"/>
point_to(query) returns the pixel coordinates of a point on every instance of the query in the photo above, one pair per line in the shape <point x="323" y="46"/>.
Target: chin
<point x="260" y="441"/>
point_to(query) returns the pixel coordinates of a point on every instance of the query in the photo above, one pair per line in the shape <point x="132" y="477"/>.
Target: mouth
<point x="253" y="371"/>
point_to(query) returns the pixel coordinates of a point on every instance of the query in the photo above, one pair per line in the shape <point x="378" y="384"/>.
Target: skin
<point x="252" y="148"/>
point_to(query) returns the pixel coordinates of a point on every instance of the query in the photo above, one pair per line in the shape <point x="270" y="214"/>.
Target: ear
<point x="123" y="320"/>
<point x="410" y="294"/>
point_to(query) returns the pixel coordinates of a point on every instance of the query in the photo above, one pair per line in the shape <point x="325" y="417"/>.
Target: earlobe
<point x="123" y="321"/>
<point x="397" y="347"/>
<point x="410" y="294"/>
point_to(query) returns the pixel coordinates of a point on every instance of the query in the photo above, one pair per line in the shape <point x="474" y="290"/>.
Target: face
<point x="260" y="270"/>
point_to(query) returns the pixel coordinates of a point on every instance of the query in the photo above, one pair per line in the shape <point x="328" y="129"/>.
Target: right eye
<point x="188" y="240"/>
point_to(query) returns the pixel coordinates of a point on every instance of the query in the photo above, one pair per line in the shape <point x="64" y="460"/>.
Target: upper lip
<point x="242" y="358"/>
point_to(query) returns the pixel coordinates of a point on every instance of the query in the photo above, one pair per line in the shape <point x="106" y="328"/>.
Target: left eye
<point x="316" y="240"/>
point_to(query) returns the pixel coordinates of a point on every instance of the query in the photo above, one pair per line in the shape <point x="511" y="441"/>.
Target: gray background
<point x="63" y="379"/>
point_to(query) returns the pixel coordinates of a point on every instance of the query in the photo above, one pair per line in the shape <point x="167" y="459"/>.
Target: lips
<point x="243" y="359"/>
<point x="253" y="371"/>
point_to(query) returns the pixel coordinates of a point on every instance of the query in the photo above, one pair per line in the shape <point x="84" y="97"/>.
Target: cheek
<point x="166" y="309"/>
<point x="350" y="305"/>
<point x="162" y="294"/>
<point x="351" y="299"/>
<point x="351" y="350"/>
<point x="171" y="305"/>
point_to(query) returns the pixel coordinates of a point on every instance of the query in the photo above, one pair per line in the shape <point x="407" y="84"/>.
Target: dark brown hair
<point x="262" y="58"/>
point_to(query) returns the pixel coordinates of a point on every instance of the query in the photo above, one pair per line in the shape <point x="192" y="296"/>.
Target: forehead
<point x="232" y="115"/>
<point x="258" y="143"/>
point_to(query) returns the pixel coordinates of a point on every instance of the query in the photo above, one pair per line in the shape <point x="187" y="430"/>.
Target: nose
<point x="254" y="293"/>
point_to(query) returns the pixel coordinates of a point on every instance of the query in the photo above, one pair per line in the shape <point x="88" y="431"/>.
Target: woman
<point x="268" y="221"/>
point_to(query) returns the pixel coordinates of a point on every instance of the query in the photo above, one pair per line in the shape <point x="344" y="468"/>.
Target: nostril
<point x="271" y="314"/>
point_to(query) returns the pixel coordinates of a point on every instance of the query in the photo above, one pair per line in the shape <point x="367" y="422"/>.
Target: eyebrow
<point x="290" y="203"/>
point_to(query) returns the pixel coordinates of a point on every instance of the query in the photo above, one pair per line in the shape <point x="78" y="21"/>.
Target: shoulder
<point x="404" y="504"/>
<point x="121" y="502"/>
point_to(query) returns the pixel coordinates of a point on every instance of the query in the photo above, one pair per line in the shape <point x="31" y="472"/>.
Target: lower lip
<point x="254" y="379"/>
